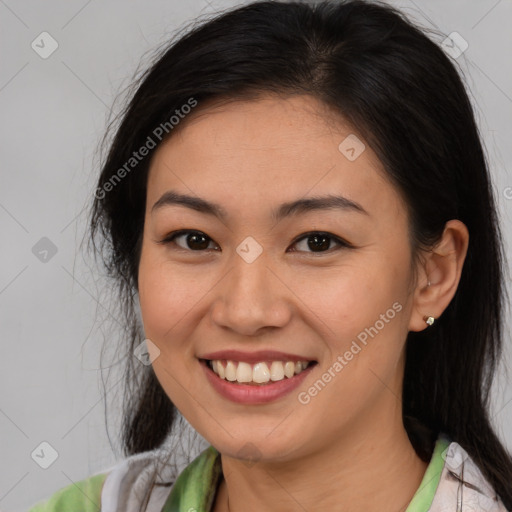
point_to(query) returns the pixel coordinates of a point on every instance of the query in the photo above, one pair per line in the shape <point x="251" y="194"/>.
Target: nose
<point x="251" y="298"/>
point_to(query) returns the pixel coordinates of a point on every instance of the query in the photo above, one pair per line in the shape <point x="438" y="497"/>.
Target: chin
<point x="251" y="447"/>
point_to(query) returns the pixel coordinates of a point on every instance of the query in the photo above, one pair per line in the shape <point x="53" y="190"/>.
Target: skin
<point x="347" y="448"/>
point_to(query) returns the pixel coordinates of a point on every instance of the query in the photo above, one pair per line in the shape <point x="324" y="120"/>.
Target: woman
<point x="298" y="199"/>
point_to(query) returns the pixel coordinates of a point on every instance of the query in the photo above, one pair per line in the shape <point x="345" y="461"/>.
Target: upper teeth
<point x="259" y="372"/>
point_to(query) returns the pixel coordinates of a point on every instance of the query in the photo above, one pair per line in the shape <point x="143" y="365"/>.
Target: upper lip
<point x="254" y="357"/>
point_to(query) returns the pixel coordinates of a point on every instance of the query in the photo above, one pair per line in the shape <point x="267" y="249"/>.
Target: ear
<point x="442" y="266"/>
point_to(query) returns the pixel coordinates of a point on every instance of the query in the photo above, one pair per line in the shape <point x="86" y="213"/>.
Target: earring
<point x="429" y="320"/>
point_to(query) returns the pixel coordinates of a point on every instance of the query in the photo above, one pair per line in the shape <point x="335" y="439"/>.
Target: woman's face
<point x="260" y="281"/>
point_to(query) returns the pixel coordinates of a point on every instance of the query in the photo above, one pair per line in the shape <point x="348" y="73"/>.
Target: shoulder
<point x="141" y="480"/>
<point x="82" y="496"/>
<point x="462" y="482"/>
<point x="144" y="478"/>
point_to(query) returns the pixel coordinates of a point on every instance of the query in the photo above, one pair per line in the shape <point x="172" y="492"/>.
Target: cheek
<point x="165" y="293"/>
<point x="172" y="301"/>
<point x="345" y="299"/>
<point x="155" y="298"/>
<point x="165" y="299"/>
<point x="361" y="309"/>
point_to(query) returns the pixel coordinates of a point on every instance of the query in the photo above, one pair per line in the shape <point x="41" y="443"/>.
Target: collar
<point x="196" y="486"/>
<point x="451" y="482"/>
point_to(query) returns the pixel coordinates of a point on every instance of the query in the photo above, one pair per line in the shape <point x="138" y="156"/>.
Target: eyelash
<point x="341" y="243"/>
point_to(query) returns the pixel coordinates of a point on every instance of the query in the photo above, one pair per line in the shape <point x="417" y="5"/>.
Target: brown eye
<point x="319" y="242"/>
<point x="193" y="240"/>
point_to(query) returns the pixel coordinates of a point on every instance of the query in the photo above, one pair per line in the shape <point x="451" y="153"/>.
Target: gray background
<point x="53" y="113"/>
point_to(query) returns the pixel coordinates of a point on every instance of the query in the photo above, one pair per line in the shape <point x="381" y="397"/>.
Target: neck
<point x="364" y="471"/>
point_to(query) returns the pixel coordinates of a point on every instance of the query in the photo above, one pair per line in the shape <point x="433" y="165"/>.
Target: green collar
<point x="196" y="486"/>
<point x="423" y="497"/>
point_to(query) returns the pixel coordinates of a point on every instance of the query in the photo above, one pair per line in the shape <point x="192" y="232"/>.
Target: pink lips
<point x="254" y="357"/>
<point x="250" y="393"/>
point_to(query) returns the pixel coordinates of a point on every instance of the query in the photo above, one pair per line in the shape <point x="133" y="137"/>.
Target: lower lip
<point x="254" y="394"/>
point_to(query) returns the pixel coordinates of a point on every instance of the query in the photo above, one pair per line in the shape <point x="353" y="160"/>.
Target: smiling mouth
<point x="258" y="374"/>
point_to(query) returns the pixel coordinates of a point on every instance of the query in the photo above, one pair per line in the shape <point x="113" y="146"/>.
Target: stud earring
<point x="429" y="320"/>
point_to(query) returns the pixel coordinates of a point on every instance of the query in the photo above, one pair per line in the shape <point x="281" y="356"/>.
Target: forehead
<point x="264" y="151"/>
<point x="281" y="124"/>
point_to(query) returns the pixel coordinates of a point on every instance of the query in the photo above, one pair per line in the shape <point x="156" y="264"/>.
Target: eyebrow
<point x="297" y="207"/>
